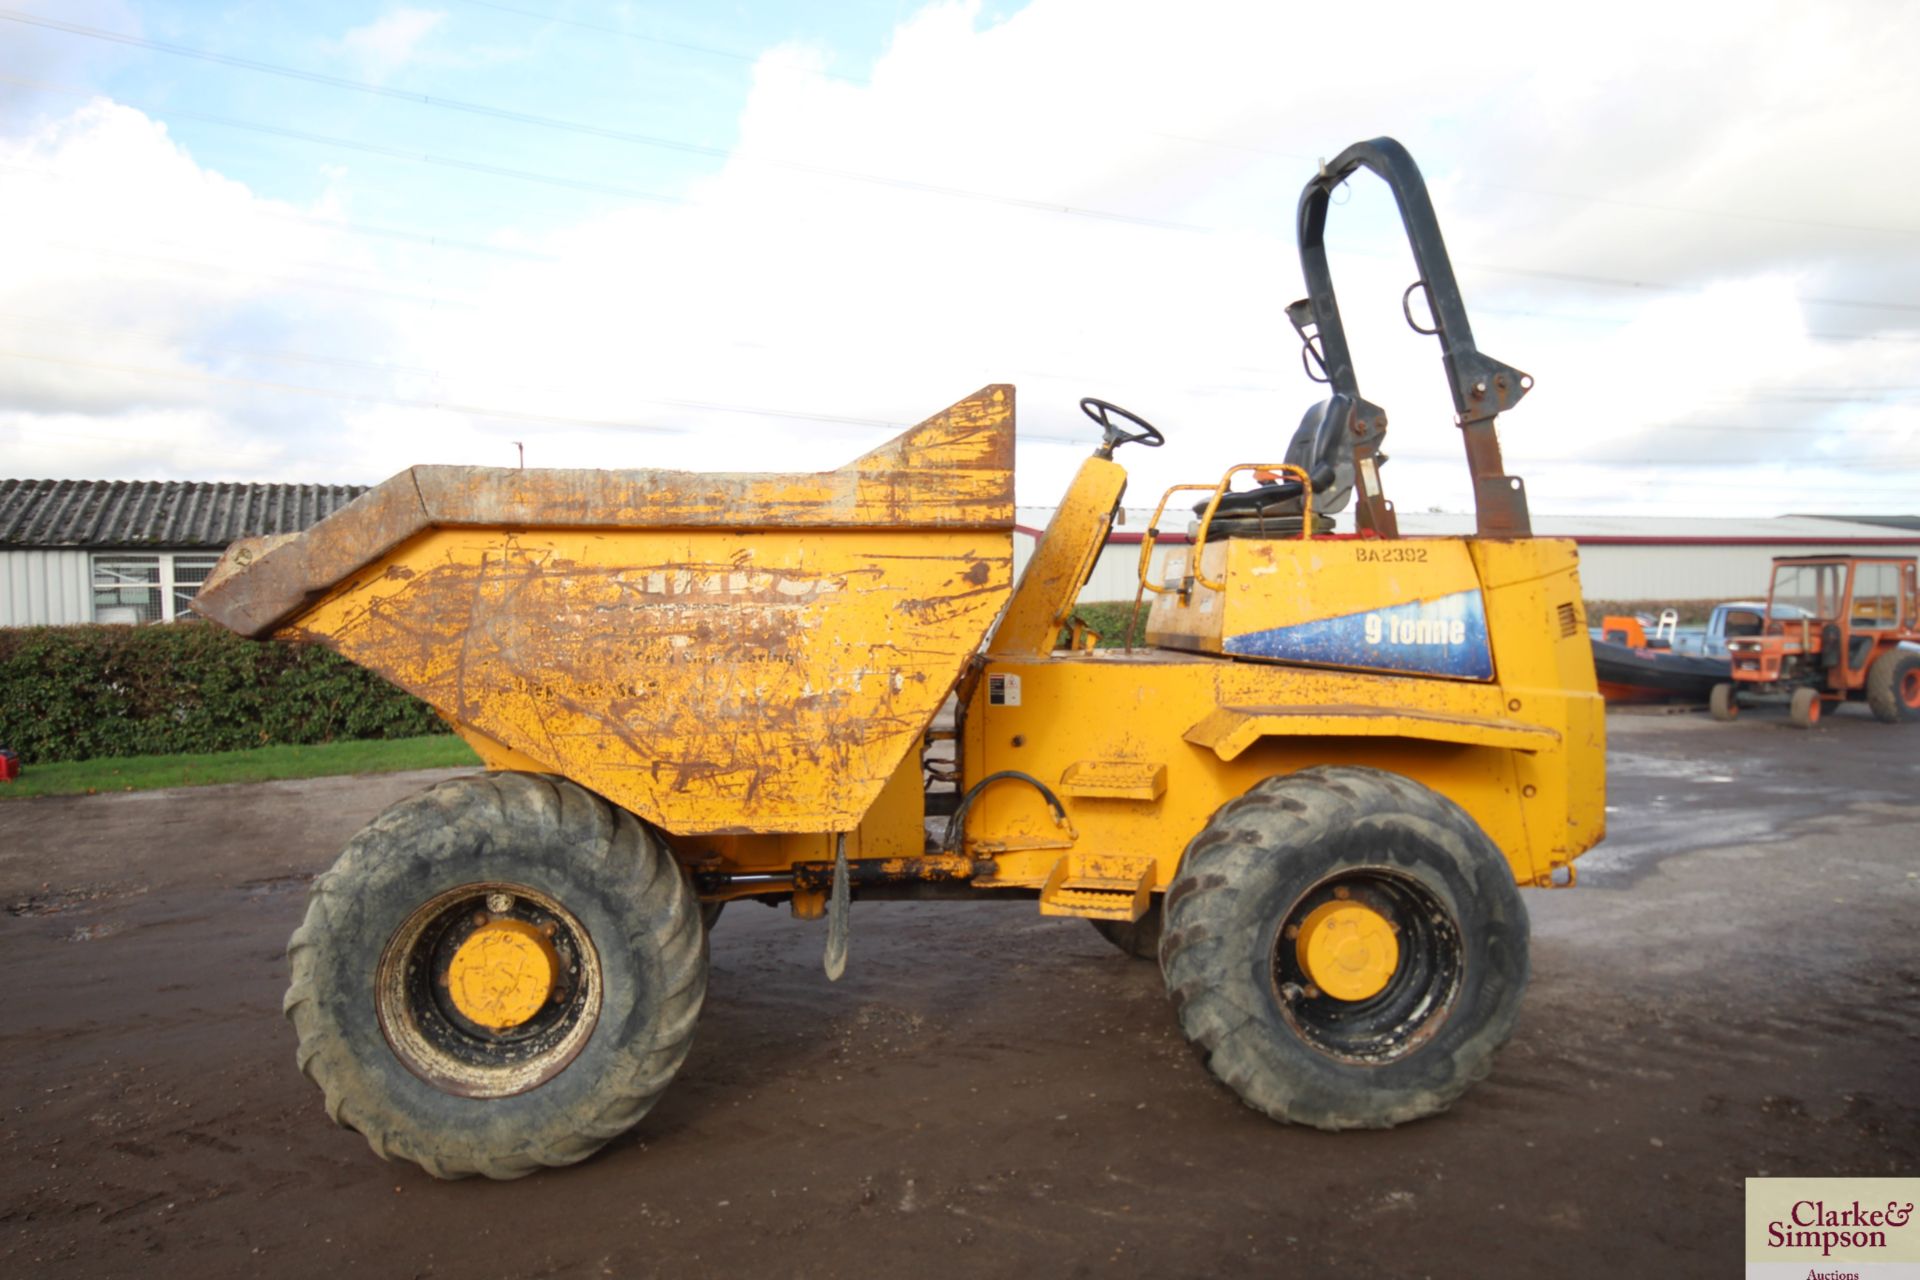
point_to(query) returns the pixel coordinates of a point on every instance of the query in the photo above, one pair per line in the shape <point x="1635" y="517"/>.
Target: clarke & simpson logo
<point x="1832" y="1229"/>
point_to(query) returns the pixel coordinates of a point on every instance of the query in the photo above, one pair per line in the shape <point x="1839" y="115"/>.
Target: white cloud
<point x="390" y="41"/>
<point x="132" y="276"/>
<point x="1557" y="153"/>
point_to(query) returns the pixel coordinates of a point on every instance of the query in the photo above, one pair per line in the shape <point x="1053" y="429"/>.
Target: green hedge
<point x="81" y="693"/>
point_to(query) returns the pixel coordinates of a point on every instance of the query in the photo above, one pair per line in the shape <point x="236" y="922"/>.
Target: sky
<point x="321" y="243"/>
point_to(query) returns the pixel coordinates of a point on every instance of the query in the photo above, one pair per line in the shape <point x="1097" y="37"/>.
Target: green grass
<point x="261" y="764"/>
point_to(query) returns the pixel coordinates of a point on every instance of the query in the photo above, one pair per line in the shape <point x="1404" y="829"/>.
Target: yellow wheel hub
<point x="1347" y="950"/>
<point x="503" y="974"/>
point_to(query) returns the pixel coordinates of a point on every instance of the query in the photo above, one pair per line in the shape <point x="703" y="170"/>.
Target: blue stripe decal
<point x="1446" y="637"/>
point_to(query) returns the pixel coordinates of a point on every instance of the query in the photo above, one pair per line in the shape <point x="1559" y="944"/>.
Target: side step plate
<point x="1098" y="886"/>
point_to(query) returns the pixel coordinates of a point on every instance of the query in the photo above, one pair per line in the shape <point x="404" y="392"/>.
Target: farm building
<point x="1621" y="557"/>
<point x="133" y="550"/>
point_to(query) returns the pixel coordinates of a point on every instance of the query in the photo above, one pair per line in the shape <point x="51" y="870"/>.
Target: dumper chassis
<point x="1311" y="795"/>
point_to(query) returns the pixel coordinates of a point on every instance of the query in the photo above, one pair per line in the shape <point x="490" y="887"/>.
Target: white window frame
<point x="168" y="563"/>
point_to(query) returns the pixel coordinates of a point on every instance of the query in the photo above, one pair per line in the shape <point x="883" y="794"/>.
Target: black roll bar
<point x="1482" y="386"/>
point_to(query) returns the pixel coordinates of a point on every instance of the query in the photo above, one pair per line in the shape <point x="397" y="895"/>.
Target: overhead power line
<point x="604" y="29"/>
<point x="430" y="239"/>
<point x="42" y="323"/>
<point x="578" y="126"/>
<point x="1662" y="286"/>
<point x="369" y="148"/>
<point x="478" y="411"/>
<point x="1223" y="144"/>
<point x="1637" y="284"/>
<point x="200" y="266"/>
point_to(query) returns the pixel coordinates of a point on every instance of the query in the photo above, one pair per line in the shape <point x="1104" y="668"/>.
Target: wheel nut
<point x="1341" y="891"/>
<point x="1292" y="931"/>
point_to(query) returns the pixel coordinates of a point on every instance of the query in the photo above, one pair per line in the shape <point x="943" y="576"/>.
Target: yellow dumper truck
<point x="1311" y="794"/>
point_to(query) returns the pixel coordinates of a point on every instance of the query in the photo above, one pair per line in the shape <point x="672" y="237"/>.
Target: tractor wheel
<point x="1805" y="708"/>
<point x="1893" y="686"/>
<point x="498" y="974"/>
<point x="710" y="914"/>
<point x="1346" y="948"/>
<point x="1138" y="938"/>
<point x="1723" y="703"/>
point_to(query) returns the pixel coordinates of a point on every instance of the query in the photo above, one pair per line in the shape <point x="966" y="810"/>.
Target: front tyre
<point x="1723" y="703"/>
<point x="499" y="974"/>
<point x="1346" y="948"/>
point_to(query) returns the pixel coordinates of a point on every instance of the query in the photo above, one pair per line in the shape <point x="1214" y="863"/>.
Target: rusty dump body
<point x="719" y="654"/>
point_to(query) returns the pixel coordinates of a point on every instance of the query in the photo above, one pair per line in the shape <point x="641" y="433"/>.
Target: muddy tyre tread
<point x="1247" y="840"/>
<point x="1883" y="686"/>
<point x="441" y="823"/>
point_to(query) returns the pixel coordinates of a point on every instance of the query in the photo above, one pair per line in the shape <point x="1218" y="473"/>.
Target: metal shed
<point x="133" y="550"/>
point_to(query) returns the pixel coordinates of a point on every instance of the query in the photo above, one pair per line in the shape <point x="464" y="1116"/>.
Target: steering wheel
<point x="1148" y="434"/>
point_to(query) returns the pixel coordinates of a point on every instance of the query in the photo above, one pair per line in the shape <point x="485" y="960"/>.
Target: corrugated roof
<point x="1891" y="522"/>
<point x="1677" y="529"/>
<point x="159" y="513"/>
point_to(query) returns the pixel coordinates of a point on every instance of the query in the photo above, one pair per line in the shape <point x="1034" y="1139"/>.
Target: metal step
<point x="1098" y="886"/>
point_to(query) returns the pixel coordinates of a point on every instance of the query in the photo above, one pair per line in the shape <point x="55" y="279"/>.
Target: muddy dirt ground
<point x="1733" y="990"/>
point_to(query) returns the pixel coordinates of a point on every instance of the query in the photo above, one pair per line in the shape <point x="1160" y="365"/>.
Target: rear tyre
<point x="1723" y="703"/>
<point x="1805" y="707"/>
<point x="1346" y="948"/>
<point x="1893" y="686"/>
<point x="1138" y="938"/>
<point x="499" y="974"/>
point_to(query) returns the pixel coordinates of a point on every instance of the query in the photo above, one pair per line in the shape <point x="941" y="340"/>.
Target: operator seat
<point x="1272" y="509"/>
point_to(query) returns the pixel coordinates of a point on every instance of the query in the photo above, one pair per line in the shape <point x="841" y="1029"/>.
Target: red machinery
<point x="1837" y="629"/>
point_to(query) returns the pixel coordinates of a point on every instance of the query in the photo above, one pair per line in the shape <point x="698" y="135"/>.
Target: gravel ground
<point x="1733" y="990"/>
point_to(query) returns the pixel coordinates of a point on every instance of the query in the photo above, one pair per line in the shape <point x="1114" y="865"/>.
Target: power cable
<point x="478" y="411"/>
<point x="1225" y="145"/>
<point x="369" y="148"/>
<point x="227" y="268"/>
<point x="657" y="40"/>
<point x="429" y="239"/>
<point x="580" y="126"/>
<point x="432" y="158"/>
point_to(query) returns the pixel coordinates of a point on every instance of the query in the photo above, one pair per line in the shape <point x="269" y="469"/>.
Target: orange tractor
<point x="1837" y="629"/>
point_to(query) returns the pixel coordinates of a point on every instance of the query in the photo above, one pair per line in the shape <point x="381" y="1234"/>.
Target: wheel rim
<point x="488" y="990"/>
<point x="1910" y="688"/>
<point x="1367" y="965"/>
